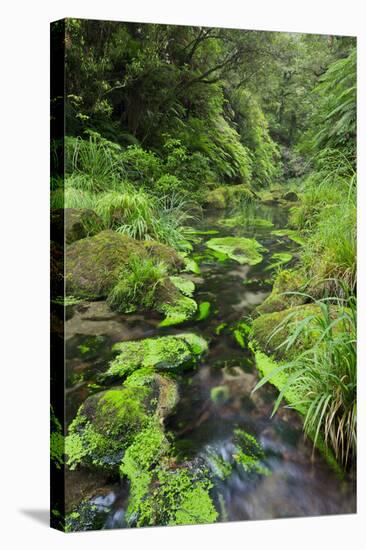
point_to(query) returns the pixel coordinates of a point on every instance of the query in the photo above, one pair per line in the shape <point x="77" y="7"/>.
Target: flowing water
<point x="300" y="482"/>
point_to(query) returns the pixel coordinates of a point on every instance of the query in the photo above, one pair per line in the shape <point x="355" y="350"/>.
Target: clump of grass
<point x="137" y="284"/>
<point x="323" y="378"/>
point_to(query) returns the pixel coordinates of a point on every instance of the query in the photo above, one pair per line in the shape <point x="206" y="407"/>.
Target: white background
<point x="24" y="363"/>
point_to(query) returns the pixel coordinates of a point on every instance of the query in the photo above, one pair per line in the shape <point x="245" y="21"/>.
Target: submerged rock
<point x="240" y="249"/>
<point x="167" y="353"/>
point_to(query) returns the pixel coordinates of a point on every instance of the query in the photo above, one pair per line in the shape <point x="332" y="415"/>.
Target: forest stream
<point x="292" y="479"/>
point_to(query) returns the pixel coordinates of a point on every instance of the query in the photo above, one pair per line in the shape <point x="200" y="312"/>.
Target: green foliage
<point x="334" y="124"/>
<point x="321" y="381"/>
<point x="137" y="284"/>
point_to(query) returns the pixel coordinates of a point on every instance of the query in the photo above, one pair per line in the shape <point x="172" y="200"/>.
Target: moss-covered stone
<point x="163" y="386"/>
<point x="270" y="330"/>
<point x="164" y="253"/>
<point x="94" y="264"/>
<point x="106" y="425"/>
<point x="227" y="196"/>
<point x="137" y="465"/>
<point x="177" y="497"/>
<point x="81" y="223"/>
<point x="240" y="249"/>
<point x="167" y="353"/>
<point x="286" y="281"/>
<point x="177" y="310"/>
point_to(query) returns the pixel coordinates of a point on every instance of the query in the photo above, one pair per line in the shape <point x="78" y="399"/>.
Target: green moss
<point x="167" y="388"/>
<point x="105" y="426"/>
<point x="178" y="498"/>
<point x="178" y="311"/>
<point x="164" y="353"/>
<point x="270" y="336"/>
<point x="93" y="264"/>
<point x="291" y="234"/>
<point x="57" y="442"/>
<point x="220" y="394"/>
<point x="249" y="453"/>
<point x="221" y="468"/>
<point x="203" y="311"/>
<point x="240" y="249"/>
<point x="287" y="281"/>
<point x="241" y="331"/>
<point x="185" y="286"/>
<point x="137" y="465"/>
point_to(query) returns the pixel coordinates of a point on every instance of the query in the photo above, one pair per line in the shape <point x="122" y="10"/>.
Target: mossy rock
<point x="268" y="338"/>
<point x="81" y="223"/>
<point x="90" y="515"/>
<point x="240" y="249"/>
<point x="227" y="196"/>
<point x="106" y="425"/>
<point x="167" y="353"/>
<point x="290" y="196"/>
<point x="165" y="254"/>
<point x="286" y="281"/>
<point x="93" y="264"/>
<point x="165" y="387"/>
<point x="164" y="496"/>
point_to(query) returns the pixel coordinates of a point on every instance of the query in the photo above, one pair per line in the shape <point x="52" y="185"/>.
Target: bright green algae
<point x="249" y="453"/>
<point x="241" y="220"/>
<point x="240" y="249"/>
<point x="167" y="353"/>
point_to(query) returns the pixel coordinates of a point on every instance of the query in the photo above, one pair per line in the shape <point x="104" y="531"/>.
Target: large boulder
<point x="93" y="264"/>
<point x="81" y="223"/>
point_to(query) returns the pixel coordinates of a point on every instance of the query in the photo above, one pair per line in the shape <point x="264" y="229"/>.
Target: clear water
<point x="300" y="483"/>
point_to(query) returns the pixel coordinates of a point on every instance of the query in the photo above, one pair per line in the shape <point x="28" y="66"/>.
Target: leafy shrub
<point x="322" y="380"/>
<point x="142" y="167"/>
